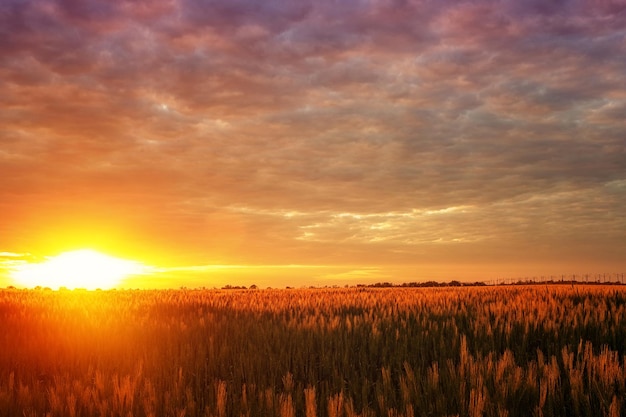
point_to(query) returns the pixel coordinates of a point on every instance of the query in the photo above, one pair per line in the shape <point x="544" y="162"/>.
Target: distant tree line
<point x="423" y="284"/>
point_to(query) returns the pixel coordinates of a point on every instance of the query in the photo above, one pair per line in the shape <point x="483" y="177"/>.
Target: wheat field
<point x="394" y="352"/>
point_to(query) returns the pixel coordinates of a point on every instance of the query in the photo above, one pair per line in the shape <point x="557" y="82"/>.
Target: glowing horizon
<point x="83" y="268"/>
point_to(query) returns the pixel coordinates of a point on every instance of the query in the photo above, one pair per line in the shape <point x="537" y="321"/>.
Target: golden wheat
<point x="491" y="351"/>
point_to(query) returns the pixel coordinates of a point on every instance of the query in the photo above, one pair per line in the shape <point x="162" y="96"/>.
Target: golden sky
<point x="315" y="142"/>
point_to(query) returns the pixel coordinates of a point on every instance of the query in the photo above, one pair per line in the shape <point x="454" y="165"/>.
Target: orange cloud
<point x="360" y="134"/>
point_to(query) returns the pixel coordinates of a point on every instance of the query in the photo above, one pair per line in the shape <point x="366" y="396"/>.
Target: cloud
<point x="360" y="117"/>
<point x="9" y="261"/>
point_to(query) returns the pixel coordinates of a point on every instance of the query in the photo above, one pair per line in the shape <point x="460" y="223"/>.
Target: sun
<point x="84" y="268"/>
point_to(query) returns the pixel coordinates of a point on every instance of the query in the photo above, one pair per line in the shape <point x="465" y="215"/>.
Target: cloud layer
<point x="374" y="132"/>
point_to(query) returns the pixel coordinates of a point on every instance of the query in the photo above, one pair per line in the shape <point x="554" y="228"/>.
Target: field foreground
<point x="493" y="351"/>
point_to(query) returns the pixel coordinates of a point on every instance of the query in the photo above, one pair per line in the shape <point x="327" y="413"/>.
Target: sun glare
<point x="83" y="268"/>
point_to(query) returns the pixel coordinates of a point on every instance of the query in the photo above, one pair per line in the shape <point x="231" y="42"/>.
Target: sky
<point x="315" y="142"/>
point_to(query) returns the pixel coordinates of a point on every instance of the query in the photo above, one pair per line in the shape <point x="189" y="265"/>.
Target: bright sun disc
<point x="77" y="269"/>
